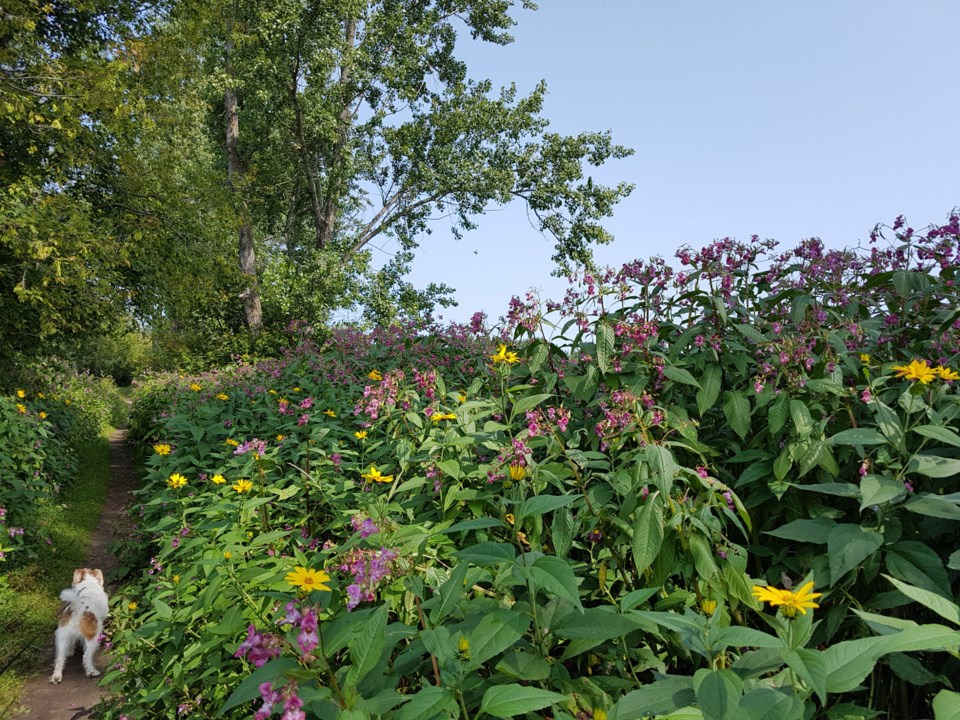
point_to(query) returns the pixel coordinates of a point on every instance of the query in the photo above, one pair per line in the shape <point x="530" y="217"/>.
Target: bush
<point x="422" y="522"/>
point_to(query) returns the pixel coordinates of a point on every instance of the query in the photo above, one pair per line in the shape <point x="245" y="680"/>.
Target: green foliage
<point x="580" y="525"/>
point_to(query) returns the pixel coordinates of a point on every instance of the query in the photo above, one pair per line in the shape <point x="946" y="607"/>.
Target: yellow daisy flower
<point x="789" y="601"/>
<point x="916" y="370"/>
<point x="504" y="356"/>
<point x="947" y="373"/>
<point x="195" y="387"/>
<point x="308" y="579"/>
<point x="218" y="479"/>
<point x="232" y="442"/>
<point x="360" y="435"/>
<point x="437" y="417"/>
<point x="162" y="449"/>
<point x="223" y="396"/>
<point x="375" y="375"/>
<point x="176" y="481"/>
<point x="376" y="476"/>
<point x="242" y="486"/>
<point x="329" y="413"/>
<point x="517" y="472"/>
<point x="21" y="394"/>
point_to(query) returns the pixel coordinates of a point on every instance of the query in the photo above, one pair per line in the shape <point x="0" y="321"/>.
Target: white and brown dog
<point x="80" y="620"/>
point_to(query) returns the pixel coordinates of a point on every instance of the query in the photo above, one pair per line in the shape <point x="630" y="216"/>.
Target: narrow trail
<point x="77" y="695"/>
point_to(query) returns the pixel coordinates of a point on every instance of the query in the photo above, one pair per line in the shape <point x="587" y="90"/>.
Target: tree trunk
<point x="250" y="295"/>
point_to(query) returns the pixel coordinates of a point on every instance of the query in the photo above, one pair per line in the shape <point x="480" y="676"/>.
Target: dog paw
<point x="55" y="679"/>
<point x="92" y="673"/>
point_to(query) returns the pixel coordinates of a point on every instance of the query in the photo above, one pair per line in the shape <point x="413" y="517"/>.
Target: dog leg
<point x="61" y="655"/>
<point x="88" y="652"/>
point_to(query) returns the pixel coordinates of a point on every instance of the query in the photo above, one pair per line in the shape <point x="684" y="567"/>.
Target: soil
<point x="77" y="696"/>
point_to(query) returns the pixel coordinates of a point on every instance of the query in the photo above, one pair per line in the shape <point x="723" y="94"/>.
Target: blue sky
<point x="785" y="120"/>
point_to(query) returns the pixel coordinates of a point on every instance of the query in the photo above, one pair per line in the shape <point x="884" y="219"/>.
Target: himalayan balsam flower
<point x="790" y="602"/>
<point x="308" y="579"/>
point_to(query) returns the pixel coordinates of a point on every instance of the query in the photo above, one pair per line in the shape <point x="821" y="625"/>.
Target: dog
<point x="85" y="607"/>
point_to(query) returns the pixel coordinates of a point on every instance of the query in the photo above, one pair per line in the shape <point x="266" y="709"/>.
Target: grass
<point x="29" y="594"/>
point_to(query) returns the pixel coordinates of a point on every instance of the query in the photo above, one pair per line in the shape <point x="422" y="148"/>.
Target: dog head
<point x="81" y="574"/>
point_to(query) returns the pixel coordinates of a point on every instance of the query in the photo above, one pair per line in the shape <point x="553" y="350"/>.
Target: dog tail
<point x="69" y="596"/>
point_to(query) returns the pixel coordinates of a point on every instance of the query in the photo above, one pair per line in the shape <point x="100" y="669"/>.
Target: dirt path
<point x="78" y="694"/>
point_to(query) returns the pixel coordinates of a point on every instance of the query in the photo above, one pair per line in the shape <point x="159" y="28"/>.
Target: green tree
<point x="350" y="121"/>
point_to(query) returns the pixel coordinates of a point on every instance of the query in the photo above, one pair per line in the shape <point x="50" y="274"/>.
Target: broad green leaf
<point x="450" y="467"/>
<point x="718" y="693"/>
<point x="367" y="645"/>
<point x="954" y="562"/>
<point x="679" y="375"/>
<point x="663" y="465"/>
<point x="879" y="490"/>
<point x="430" y="702"/>
<point x="917" y="564"/>
<point x="539" y="353"/>
<point x="600" y="623"/>
<point x="812" y="531"/>
<point x="561" y="531"/>
<point x="841" y="489"/>
<point x="524" y="666"/>
<point x="605" y="344"/>
<point x="702" y="553"/>
<point x="488" y="553"/>
<point x="848" y="545"/>
<point x="939" y="433"/>
<point x="738" y="636"/>
<point x="778" y="413"/>
<point x="946" y="705"/>
<point x="802" y="420"/>
<point x="504" y="701"/>
<point x="765" y="703"/>
<point x="809" y="665"/>
<point x="933" y="506"/>
<point x="750" y="332"/>
<point x="657" y="698"/>
<point x="888" y="422"/>
<point x="450" y="593"/>
<point x="710" y="382"/>
<point x="941" y="606"/>
<point x="647" y="533"/>
<point x="521" y="406"/>
<point x="495" y="632"/>
<point x="933" y="466"/>
<point x="857" y="436"/>
<point x="554" y="575"/>
<point x="736" y="409"/>
<point x="907" y="667"/>
<point x="540" y="504"/>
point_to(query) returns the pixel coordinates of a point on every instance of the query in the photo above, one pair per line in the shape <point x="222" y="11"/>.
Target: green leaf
<point x="738" y="636"/>
<point x="933" y="466"/>
<point x="366" y="646"/>
<point x="941" y="606"/>
<point x="561" y="532"/>
<point x="529" y="402"/>
<point x="939" y="433"/>
<point x="647" y="533"/>
<point x="431" y="702"/>
<point x="933" y="506"/>
<point x="488" y="553"/>
<point x="539" y="353"/>
<point x="540" y="504"/>
<point x="750" y="332"/>
<point x="848" y="545"/>
<point x="605" y="343"/>
<point x="672" y="372"/>
<point x="524" y="666"/>
<point x="718" y="693"/>
<point x="554" y="575"/>
<point x="710" y="382"/>
<point x="764" y="703"/>
<point x="809" y="665"/>
<point x="736" y="409"/>
<point x="663" y="465"/>
<point x="812" y="531"/>
<point x="802" y="420"/>
<point x="656" y="698"/>
<point x="504" y="701"/>
<point x="841" y="489"/>
<point x="857" y="436"/>
<point x="954" y="561"/>
<point x="495" y="632"/>
<point x="879" y="490"/>
<point x="450" y="467"/>
<point x="450" y="593"/>
<point x="946" y="705"/>
<point x="915" y="563"/>
<point x="702" y="553"/>
<point x="889" y="423"/>
<point x="778" y="413"/>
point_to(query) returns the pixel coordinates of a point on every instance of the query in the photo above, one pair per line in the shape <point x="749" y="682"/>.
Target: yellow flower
<point x="308" y="579"/>
<point x="462" y="397"/>
<point x="272" y="391"/>
<point x="517" y="472"/>
<point x="232" y="442"/>
<point x="360" y="434"/>
<point x="227" y="555"/>
<point x="242" y="486"/>
<point x="708" y="606"/>
<point x="176" y="481"/>
<point x="280" y="437"/>
<point x="510" y="518"/>
<point x="175" y="579"/>
<point x="916" y="370"/>
<point x="67" y="401"/>
<point x="599" y="714"/>
<point x="947" y="373"/>
<point x="218" y="479"/>
<point x="43" y="415"/>
<point x="21" y="394"/>
<point x="162" y="449"/>
<point x="790" y="602"/>
<point x="522" y="537"/>
<point x="195" y="387"/>
<point x="21" y="408"/>
<point x="131" y="606"/>
<point x="375" y="375"/>
<point x="296" y="389"/>
<point x="864" y="358"/>
<point x="437" y="417"/>
<point x="463" y="645"/>
<point x="376" y="476"/>
<point x="223" y="396"/>
<point x="504" y="356"/>
<point x="41" y="396"/>
<point x="330" y="413"/>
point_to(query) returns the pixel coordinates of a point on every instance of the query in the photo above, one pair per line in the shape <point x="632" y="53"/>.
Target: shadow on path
<point x="77" y="695"/>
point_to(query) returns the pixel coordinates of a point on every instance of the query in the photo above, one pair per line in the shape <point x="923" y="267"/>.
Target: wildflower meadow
<point x="722" y="490"/>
